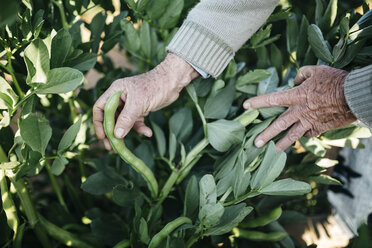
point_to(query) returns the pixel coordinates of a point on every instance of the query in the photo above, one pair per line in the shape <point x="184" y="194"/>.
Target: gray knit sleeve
<point x="215" y="29"/>
<point x="358" y="94"/>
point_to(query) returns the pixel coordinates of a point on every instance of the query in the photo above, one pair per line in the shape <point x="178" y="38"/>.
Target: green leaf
<point x="208" y="191"/>
<point x="324" y="179"/>
<point x="318" y="44"/>
<point x="4" y="119"/>
<point x="302" y="42"/>
<point x="191" y="198"/>
<point x="156" y="8"/>
<point x="241" y="180"/>
<point x="9" y="165"/>
<point x="61" y="80"/>
<point x="36" y="57"/>
<point x="160" y="138"/>
<point x="319" y="11"/>
<point x="172" y="145"/>
<point x="69" y="136"/>
<point x="231" y="70"/>
<point x="100" y="183"/>
<point x="271" y="111"/>
<point x="84" y="62"/>
<point x="251" y="77"/>
<point x="124" y="196"/>
<point x="96" y="27"/>
<point x="276" y="57"/>
<point x="313" y="145"/>
<point x="350" y="131"/>
<point x="292" y="33"/>
<point x="8" y="97"/>
<point x="36" y="132"/>
<point x="192" y="92"/>
<point x="141" y="4"/>
<point x="286" y="187"/>
<point x="210" y="214"/>
<point x="351" y="51"/>
<point x="181" y="124"/>
<point x="143" y="232"/>
<point x="231" y="217"/>
<point x="329" y="16"/>
<point x="171" y="15"/>
<point x="58" y="165"/>
<point x="223" y="134"/>
<point x="132" y="40"/>
<point x="269" y="84"/>
<point x="218" y="105"/>
<point x="61" y="44"/>
<point x="145" y="38"/>
<point x="260" y="36"/>
<point x="270" y="168"/>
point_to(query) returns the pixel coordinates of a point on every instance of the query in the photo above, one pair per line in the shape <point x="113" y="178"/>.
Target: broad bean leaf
<point x="133" y="41"/>
<point x="36" y="132"/>
<point x="313" y="145"/>
<point x="36" y="57"/>
<point x="143" y="232"/>
<point x="210" y="214"/>
<point x="269" y="84"/>
<point x="192" y="93"/>
<point x="223" y="134"/>
<point x="218" y="105"/>
<point x="271" y="111"/>
<point x="9" y="165"/>
<point x="5" y="119"/>
<point x="145" y="38"/>
<point x="61" y="44"/>
<point x="83" y="62"/>
<point x="276" y="57"/>
<point x="124" y="196"/>
<point x="181" y="124"/>
<point x="324" y="179"/>
<point x="191" y="197"/>
<point x="69" y="136"/>
<point x="96" y="28"/>
<point x="160" y="138"/>
<point x="329" y="16"/>
<point x="292" y="33"/>
<point x="319" y="11"/>
<point x="270" y="168"/>
<point x="59" y="165"/>
<point x="260" y="36"/>
<point x="241" y="180"/>
<point x="156" y="8"/>
<point x="171" y="15"/>
<point x="350" y="131"/>
<point x="100" y="183"/>
<point x="231" y="70"/>
<point x="318" y="44"/>
<point x="251" y="77"/>
<point x="208" y="191"/>
<point x="8" y="97"/>
<point x="141" y="4"/>
<point x="61" y="80"/>
<point x="350" y="53"/>
<point x="302" y="42"/>
<point x="231" y="217"/>
<point x="286" y="187"/>
<point x="172" y="145"/>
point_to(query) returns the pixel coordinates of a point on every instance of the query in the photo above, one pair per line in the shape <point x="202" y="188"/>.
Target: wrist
<point x="179" y="72"/>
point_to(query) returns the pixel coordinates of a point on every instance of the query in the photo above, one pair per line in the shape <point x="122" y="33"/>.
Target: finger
<point x="304" y="73"/>
<point x="127" y="118"/>
<point x="312" y="133"/>
<point x="284" y="98"/>
<point x="141" y="128"/>
<point x="107" y="144"/>
<point x="296" y="132"/>
<point x="283" y="122"/>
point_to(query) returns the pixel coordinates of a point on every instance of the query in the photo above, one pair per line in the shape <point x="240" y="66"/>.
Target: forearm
<point x="358" y="94"/>
<point x="215" y="29"/>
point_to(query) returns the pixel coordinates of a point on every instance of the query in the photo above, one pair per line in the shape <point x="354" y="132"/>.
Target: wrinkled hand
<point x="143" y="94"/>
<point x="317" y="105"/>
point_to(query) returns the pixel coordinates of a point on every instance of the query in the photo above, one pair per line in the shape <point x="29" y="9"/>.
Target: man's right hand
<point x="143" y="94"/>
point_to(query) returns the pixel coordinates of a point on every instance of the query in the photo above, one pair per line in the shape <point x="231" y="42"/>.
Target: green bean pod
<point x="170" y="227"/>
<point x="264" y="219"/>
<point x="119" y="146"/>
<point x="8" y="204"/>
<point x="259" y="236"/>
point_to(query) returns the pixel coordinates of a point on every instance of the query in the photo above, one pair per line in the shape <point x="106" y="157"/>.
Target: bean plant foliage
<point x="214" y="188"/>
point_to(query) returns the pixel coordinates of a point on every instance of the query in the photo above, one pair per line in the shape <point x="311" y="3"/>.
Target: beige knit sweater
<point x="215" y="29"/>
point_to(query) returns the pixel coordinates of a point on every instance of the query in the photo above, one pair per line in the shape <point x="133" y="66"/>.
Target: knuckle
<point x="280" y="124"/>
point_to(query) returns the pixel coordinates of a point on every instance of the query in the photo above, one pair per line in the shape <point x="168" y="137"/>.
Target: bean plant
<point x="200" y="181"/>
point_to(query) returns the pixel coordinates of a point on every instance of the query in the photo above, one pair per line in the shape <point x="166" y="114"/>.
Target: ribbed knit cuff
<point x="358" y="94"/>
<point x="200" y="47"/>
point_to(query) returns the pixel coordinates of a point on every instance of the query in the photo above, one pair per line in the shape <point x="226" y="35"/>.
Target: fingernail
<point x="119" y="133"/>
<point x="259" y="143"/>
<point x="247" y="105"/>
<point x="148" y="133"/>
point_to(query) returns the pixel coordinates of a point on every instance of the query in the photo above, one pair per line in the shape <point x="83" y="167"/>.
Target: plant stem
<point x="30" y="212"/>
<point x="62" y="13"/>
<point x="192" y="240"/>
<point x="56" y="186"/>
<point x="21" y="102"/>
<point x="141" y="58"/>
<point x="227" y="193"/>
<point x="3" y="156"/>
<point x="168" y="186"/>
<point x="11" y="72"/>
<point x="202" y="117"/>
<point x="73" y="111"/>
<point x="251" y="194"/>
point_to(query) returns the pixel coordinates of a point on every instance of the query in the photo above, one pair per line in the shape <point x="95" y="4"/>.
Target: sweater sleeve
<point x="358" y="94"/>
<point x="215" y="29"/>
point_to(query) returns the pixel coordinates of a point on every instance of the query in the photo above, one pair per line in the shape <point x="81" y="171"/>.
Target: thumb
<point x="304" y="73"/>
<point x="126" y="119"/>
